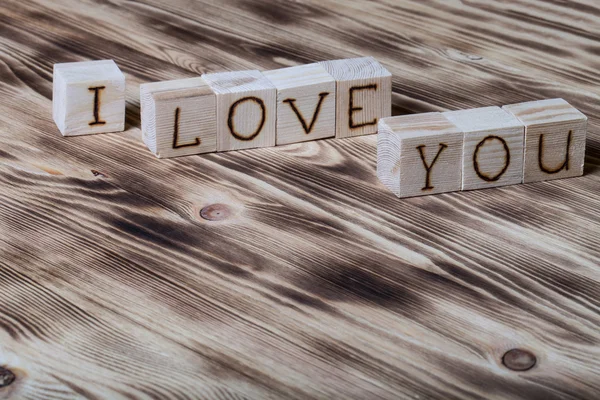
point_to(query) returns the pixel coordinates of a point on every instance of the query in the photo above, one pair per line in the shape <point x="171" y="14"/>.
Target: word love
<point x="228" y="110"/>
<point x="480" y="148"/>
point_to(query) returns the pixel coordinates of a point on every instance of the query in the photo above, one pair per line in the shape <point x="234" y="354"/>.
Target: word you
<point x="227" y="110"/>
<point x="480" y="148"/>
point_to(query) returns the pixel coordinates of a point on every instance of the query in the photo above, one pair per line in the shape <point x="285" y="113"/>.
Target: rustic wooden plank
<point x="311" y="280"/>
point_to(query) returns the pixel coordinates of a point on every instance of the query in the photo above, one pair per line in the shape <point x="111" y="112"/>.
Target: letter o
<point x="232" y="114"/>
<point x="486" y="177"/>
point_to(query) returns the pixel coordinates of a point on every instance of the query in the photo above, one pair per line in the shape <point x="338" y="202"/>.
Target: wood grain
<point x="305" y="103"/>
<point x="555" y="136"/>
<point x="88" y="97"/>
<point x="493" y="147"/>
<point x="419" y="155"/>
<point x="363" y="89"/>
<point x="178" y="117"/>
<point x="314" y="281"/>
<point x="246" y="109"/>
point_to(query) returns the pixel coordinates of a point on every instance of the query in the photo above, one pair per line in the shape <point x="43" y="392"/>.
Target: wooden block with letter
<point x="305" y="103"/>
<point x="363" y="95"/>
<point x="419" y="154"/>
<point x="178" y="117"/>
<point x="88" y="97"/>
<point x="555" y="135"/>
<point x="246" y="109"/>
<point x="493" y="147"/>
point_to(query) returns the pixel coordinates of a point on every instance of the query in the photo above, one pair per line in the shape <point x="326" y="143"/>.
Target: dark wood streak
<point x="480" y="174"/>
<point x="307" y="128"/>
<point x="309" y="280"/>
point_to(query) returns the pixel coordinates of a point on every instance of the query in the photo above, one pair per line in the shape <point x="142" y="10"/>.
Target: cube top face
<point x="88" y="71"/>
<point x="237" y="82"/>
<point x="158" y="89"/>
<point x="178" y="117"/>
<point x="493" y="147"/>
<point x="420" y="125"/>
<point x="176" y="89"/>
<point x="298" y="76"/>
<point x="545" y="112"/>
<point x="355" y="68"/>
<point x="88" y="98"/>
<point x="483" y="119"/>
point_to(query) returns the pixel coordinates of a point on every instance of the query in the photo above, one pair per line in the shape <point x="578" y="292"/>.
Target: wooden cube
<point x="493" y="147"/>
<point x="363" y="95"/>
<point x="555" y="135"/>
<point x="305" y="103"/>
<point x="88" y="97"/>
<point x="246" y="109"/>
<point x="419" y="154"/>
<point x="179" y="117"/>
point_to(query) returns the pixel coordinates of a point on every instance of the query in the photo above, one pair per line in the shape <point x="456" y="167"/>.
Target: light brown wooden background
<point x="320" y="283"/>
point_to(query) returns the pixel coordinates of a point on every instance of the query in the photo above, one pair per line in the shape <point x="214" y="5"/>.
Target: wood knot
<point x="7" y="377"/>
<point x="519" y="360"/>
<point x="215" y="212"/>
<point x="98" y="173"/>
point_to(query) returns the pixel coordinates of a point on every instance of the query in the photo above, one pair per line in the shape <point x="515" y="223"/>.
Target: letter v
<point x="306" y="128"/>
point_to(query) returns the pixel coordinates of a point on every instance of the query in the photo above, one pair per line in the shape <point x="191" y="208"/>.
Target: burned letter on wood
<point x="419" y="154"/>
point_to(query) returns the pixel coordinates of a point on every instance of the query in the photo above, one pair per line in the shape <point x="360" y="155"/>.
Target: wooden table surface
<point x="304" y="277"/>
